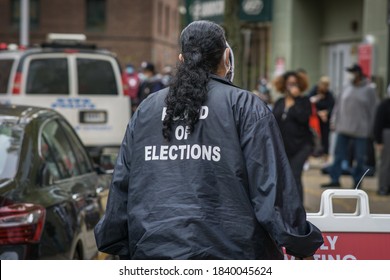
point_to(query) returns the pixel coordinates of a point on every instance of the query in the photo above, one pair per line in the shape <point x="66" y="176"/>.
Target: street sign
<point x="256" y="10"/>
<point x="365" y="58"/>
<point x="213" y="10"/>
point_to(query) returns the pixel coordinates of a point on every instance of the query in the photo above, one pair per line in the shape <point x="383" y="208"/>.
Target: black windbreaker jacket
<point x="225" y="191"/>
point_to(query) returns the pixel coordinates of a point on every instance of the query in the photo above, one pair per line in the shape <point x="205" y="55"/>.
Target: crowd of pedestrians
<point x="352" y="115"/>
<point x="144" y="81"/>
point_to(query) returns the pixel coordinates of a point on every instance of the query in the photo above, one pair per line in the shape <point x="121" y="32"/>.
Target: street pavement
<point x="313" y="178"/>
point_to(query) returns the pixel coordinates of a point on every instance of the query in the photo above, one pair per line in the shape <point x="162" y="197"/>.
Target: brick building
<point x="136" y="30"/>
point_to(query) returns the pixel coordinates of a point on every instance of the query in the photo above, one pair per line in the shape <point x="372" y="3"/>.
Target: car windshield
<point x="11" y="136"/>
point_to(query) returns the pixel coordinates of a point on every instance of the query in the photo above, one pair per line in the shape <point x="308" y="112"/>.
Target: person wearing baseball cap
<point x="355" y="68"/>
<point x="352" y="120"/>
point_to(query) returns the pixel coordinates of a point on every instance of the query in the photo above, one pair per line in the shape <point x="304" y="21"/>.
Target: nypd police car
<point x="77" y="79"/>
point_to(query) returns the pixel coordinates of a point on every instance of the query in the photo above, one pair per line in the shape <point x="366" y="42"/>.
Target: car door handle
<point x="79" y="196"/>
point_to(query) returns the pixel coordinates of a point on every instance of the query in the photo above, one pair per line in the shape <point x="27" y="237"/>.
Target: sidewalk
<point x="313" y="178"/>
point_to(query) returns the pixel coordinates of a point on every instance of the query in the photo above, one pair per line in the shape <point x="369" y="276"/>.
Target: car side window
<point x="96" y="77"/>
<point x="81" y="155"/>
<point x="48" y="76"/>
<point x="50" y="162"/>
<point x="61" y="149"/>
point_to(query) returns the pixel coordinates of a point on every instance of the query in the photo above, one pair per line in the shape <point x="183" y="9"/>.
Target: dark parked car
<point x="51" y="195"/>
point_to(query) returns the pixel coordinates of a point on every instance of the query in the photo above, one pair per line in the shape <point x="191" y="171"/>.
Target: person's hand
<point x="316" y="98"/>
<point x="379" y="147"/>
<point x="323" y="114"/>
<point x="378" y="150"/>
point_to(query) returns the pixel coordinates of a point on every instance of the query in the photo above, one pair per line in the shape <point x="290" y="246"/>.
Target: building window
<point x="95" y="15"/>
<point x="174" y="18"/>
<point x="159" y="17"/>
<point x="34" y="13"/>
<point x="167" y="20"/>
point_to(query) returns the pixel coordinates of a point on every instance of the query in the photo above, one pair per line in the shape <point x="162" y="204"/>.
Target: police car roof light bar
<point x="65" y="37"/>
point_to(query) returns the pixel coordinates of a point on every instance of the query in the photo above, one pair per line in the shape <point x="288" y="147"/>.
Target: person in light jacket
<point x="352" y="120"/>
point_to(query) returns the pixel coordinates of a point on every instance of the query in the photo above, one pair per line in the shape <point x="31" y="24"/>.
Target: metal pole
<point x="24" y="22"/>
<point x="388" y="58"/>
<point x="247" y="41"/>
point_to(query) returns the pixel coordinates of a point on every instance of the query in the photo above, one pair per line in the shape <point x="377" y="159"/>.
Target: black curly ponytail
<point x="203" y="44"/>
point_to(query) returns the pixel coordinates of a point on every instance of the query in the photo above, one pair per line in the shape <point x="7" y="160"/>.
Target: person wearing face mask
<point x="322" y="97"/>
<point x="149" y="81"/>
<point x="292" y="113"/>
<point x="382" y="140"/>
<point x="202" y="173"/>
<point x="352" y="120"/>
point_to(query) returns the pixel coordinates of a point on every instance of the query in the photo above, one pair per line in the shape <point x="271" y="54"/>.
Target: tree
<point x="233" y="36"/>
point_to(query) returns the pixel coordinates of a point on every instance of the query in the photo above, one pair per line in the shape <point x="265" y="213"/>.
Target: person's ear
<point x="181" y="58"/>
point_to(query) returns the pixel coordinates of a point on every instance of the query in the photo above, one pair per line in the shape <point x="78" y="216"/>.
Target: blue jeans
<point x="341" y="154"/>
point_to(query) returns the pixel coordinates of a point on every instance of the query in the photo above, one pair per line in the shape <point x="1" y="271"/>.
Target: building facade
<point x="135" y="30"/>
<point x="325" y="36"/>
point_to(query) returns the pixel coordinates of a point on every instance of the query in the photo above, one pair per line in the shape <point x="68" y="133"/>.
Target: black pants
<point x="297" y="162"/>
<point x="384" y="168"/>
<point x="325" y="137"/>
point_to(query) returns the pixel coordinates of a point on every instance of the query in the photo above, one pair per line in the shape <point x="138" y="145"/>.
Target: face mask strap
<point x="230" y="73"/>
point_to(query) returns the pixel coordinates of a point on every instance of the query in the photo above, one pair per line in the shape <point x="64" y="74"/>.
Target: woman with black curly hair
<point x="202" y="173"/>
<point x="292" y="113"/>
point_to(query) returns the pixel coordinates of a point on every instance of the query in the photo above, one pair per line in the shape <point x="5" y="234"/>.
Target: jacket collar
<point x="222" y="80"/>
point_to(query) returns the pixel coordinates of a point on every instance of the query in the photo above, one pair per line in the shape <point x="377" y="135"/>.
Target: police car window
<point x="48" y="76"/>
<point x="5" y="71"/>
<point x="61" y="149"/>
<point x="96" y="77"/>
<point x="81" y="155"/>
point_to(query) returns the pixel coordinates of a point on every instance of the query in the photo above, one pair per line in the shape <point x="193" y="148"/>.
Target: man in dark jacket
<point x="150" y="81"/>
<point x="202" y="172"/>
<point x="382" y="139"/>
